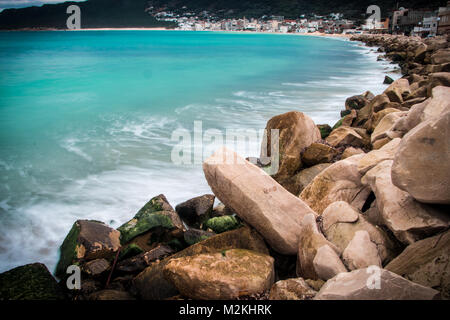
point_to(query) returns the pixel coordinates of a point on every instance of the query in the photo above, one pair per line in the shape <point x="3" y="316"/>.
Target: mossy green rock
<point x="222" y="224"/>
<point x="324" y="129"/>
<point x="87" y="240"/>
<point x="338" y="124"/>
<point x="192" y="236"/>
<point x="157" y="213"/>
<point x="130" y="251"/>
<point x="158" y="203"/>
<point x="29" y="282"/>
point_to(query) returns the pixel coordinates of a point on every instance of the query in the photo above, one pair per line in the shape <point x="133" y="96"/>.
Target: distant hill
<point x="131" y="13"/>
<point x="94" y="14"/>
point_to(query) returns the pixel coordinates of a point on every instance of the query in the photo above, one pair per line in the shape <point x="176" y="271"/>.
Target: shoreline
<point x="374" y="139"/>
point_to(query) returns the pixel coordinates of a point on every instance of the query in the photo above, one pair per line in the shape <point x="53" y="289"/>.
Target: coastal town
<point x="424" y="22"/>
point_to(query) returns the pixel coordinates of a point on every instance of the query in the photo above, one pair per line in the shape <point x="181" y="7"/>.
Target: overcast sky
<point x="4" y="4"/>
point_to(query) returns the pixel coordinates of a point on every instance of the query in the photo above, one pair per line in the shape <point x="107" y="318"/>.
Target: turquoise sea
<point x="86" y="117"/>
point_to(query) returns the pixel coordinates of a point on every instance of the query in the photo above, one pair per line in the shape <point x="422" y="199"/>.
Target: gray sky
<point x="4" y="4"/>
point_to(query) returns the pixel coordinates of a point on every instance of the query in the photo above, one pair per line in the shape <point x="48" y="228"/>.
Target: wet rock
<point x="388" y="80"/>
<point x="157" y="216"/>
<point x="192" y="236"/>
<point x="129" y="251"/>
<point x="223" y="224"/>
<point x="87" y="240"/>
<point x="356" y="102"/>
<point x="324" y="129"/>
<point x="291" y="289"/>
<point x="111" y="295"/>
<point x="143" y="260"/>
<point x="96" y="267"/>
<point x="197" y="210"/>
<point x="257" y="199"/>
<point x="29" y="282"/>
<point x="217" y="276"/>
<point x="359" y="285"/>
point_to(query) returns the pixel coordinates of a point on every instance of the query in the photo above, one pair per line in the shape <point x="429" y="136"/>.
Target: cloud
<point x="5" y="4"/>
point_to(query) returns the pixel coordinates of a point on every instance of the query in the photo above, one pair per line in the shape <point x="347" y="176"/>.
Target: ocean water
<point x="86" y="118"/>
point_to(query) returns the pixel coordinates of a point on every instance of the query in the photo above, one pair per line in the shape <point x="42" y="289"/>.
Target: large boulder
<point x="150" y="284"/>
<point x="362" y="284"/>
<point x="341" y="222"/>
<point x="426" y="262"/>
<point x="87" y="240"/>
<point x="143" y="260"/>
<point x="438" y="79"/>
<point x="221" y="276"/>
<point x="422" y="163"/>
<point x="309" y="242"/>
<point x="345" y="136"/>
<point x="197" y="210"/>
<point x="361" y="252"/>
<point x="371" y="159"/>
<point x="296" y="132"/>
<point x="397" y="90"/>
<point x="155" y="216"/>
<point x="318" y="153"/>
<point x="356" y="102"/>
<point x="291" y="289"/>
<point x="385" y="125"/>
<point x="340" y="181"/>
<point x="407" y="218"/>
<point x="29" y="282"/>
<point x="301" y="180"/>
<point x="441" y="56"/>
<point x="257" y="199"/>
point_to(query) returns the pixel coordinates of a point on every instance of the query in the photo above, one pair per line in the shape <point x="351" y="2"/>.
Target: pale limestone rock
<point x="426" y="262"/>
<point x="340" y="222"/>
<point x="362" y="285"/>
<point x="407" y="218"/>
<point x="371" y="159"/>
<point x="310" y="240"/>
<point x="340" y="181"/>
<point x="327" y="263"/>
<point x="361" y="252"/>
<point x="422" y="163"/>
<point x="296" y="132"/>
<point x="256" y="198"/>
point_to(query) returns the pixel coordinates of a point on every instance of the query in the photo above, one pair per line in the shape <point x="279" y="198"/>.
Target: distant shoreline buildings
<point x="416" y="22"/>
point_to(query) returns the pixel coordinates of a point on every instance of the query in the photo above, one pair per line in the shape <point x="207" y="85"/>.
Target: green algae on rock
<point x="87" y="240"/>
<point x="29" y="282"/>
<point x="157" y="213"/>
<point x="222" y="224"/>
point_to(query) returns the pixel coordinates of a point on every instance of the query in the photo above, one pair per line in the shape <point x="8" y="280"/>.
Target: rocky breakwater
<point x="359" y="210"/>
